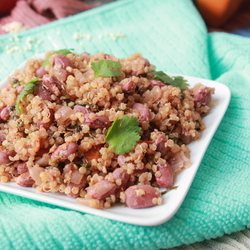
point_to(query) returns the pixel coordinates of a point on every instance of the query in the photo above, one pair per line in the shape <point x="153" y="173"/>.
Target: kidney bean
<point x="60" y="72"/>
<point x="178" y="161"/>
<point x="121" y="159"/>
<point x="202" y="94"/>
<point x="5" y="114"/>
<point x="22" y="168"/>
<point x="64" y="151"/>
<point x="141" y="196"/>
<point x="52" y="84"/>
<point x="25" y="180"/>
<point x="86" y="54"/>
<point x="108" y="57"/>
<point x="82" y="109"/>
<point x="80" y="186"/>
<point x="42" y="92"/>
<point x="40" y="72"/>
<point x="157" y="83"/>
<point x="85" y="111"/>
<point x="46" y="125"/>
<point x="5" y="154"/>
<point x="121" y="174"/>
<point x="146" y="62"/>
<point x="2" y="138"/>
<point x="143" y="111"/>
<point x="160" y="142"/>
<point x="166" y="180"/>
<point x="138" y="66"/>
<point x="100" y="121"/>
<point x="63" y="61"/>
<point x="128" y="85"/>
<point x="101" y="189"/>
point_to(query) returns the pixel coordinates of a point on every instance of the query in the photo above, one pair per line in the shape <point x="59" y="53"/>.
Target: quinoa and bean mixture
<point x="97" y="128"/>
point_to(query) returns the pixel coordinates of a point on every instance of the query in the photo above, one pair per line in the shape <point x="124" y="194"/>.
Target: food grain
<point x="55" y="137"/>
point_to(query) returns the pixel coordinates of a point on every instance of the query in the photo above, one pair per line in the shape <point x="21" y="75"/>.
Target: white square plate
<point x="174" y="198"/>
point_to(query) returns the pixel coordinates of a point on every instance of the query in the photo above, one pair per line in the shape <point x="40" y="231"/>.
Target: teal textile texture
<point x="173" y="36"/>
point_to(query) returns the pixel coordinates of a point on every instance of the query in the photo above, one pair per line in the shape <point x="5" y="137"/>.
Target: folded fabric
<point x="172" y="35"/>
<point x="31" y="13"/>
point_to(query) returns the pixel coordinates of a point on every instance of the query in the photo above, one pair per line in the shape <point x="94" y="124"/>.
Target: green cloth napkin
<point x="172" y="35"/>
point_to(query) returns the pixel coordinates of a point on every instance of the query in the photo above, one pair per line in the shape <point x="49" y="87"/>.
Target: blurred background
<point x="231" y="16"/>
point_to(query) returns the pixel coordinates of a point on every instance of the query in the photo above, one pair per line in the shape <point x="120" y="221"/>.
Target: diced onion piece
<point x="62" y="114"/>
<point x="179" y="161"/>
<point x="76" y="177"/>
<point x="44" y="160"/>
<point x="35" y="174"/>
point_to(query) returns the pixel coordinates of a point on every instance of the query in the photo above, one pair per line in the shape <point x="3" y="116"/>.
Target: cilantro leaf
<point x="27" y="90"/>
<point x="161" y="76"/>
<point x="180" y="82"/>
<point x="123" y="134"/>
<point x="176" y="81"/>
<point x="59" y="52"/>
<point x="106" y="68"/>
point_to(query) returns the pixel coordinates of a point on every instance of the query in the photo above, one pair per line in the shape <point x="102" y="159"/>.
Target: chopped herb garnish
<point x="83" y="104"/>
<point x="67" y="101"/>
<point x="76" y="128"/>
<point x="123" y="135"/>
<point x="15" y="82"/>
<point x="19" y="123"/>
<point x="169" y="189"/>
<point x="59" y="52"/>
<point x="176" y="81"/>
<point x="12" y="107"/>
<point x="27" y="90"/>
<point x="106" y="68"/>
<point x="86" y="165"/>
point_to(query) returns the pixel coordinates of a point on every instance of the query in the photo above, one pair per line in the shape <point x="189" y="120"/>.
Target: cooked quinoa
<point x="54" y="137"/>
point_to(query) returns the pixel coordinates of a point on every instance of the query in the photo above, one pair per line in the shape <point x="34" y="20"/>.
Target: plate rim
<point x="32" y="193"/>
